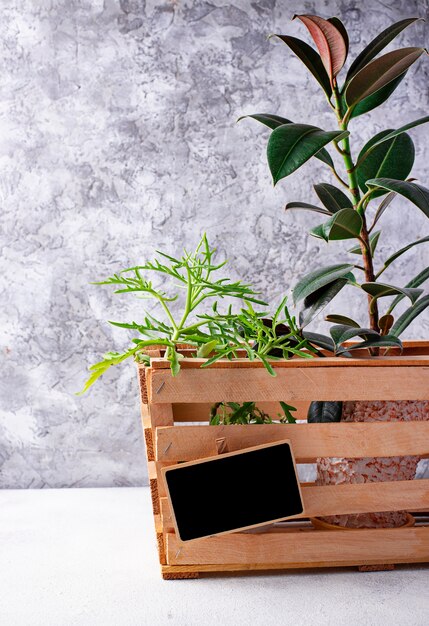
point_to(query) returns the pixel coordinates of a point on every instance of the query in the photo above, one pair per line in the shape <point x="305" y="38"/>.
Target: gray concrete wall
<point x="118" y="136"/>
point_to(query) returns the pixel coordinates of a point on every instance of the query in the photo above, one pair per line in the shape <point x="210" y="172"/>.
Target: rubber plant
<point x="378" y="175"/>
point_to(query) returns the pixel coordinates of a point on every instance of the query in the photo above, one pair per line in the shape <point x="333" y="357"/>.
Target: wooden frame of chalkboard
<point x="175" y="415"/>
<point x="202" y="507"/>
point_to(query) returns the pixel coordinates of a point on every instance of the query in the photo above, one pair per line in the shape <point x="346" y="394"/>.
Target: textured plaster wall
<point x="118" y="136"/>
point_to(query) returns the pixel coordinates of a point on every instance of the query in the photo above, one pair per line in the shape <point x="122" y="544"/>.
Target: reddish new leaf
<point x="329" y="41"/>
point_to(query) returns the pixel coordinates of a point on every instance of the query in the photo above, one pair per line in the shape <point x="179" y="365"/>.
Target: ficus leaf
<point x="324" y="412"/>
<point x="342" y="29"/>
<point x="329" y="41"/>
<point x="383" y="206"/>
<point x="418" y="280"/>
<point x="373" y="241"/>
<point x="385" y="159"/>
<point x="319" y="278"/>
<point x="380" y="290"/>
<point x="400" y="252"/>
<point x="291" y="145"/>
<point x="379" y="72"/>
<point x="394" y="133"/>
<point x="377" y="45"/>
<point x="409" y="315"/>
<point x="346" y="224"/>
<point x="344" y="332"/>
<point x="316" y="301"/>
<point x="333" y="198"/>
<point x="311" y="60"/>
<point x="321" y="341"/>
<point x="387" y="341"/>
<point x="376" y="99"/>
<point x="341" y="319"/>
<point x="274" y="121"/>
<point x="308" y="207"/>
<point x="417" y="194"/>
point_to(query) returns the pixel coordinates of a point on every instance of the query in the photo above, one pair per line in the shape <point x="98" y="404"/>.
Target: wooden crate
<point x="171" y="407"/>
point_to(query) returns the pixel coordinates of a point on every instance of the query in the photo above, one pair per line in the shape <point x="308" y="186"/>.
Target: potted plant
<point x="352" y="209"/>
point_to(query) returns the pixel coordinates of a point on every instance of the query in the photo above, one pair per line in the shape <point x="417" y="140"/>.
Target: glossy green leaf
<point x="418" y="280"/>
<point x="378" y="98"/>
<point x="386" y="341"/>
<point x="308" y="207"/>
<point x="409" y="315"/>
<point x="383" y="206"/>
<point x="319" y="278"/>
<point x="333" y="198"/>
<point x="311" y="60"/>
<point x="400" y="252"/>
<point x="377" y="45"/>
<point x="291" y="145"/>
<point x="324" y="412"/>
<point x="343" y="332"/>
<point x="329" y="41"/>
<point x="316" y="301"/>
<point x="417" y="194"/>
<point x="380" y="290"/>
<point x="346" y="224"/>
<point x="373" y="241"/>
<point x="321" y="341"/>
<point x="341" y="319"/>
<point x="398" y="131"/>
<point x="274" y="121"/>
<point x="380" y="72"/>
<point x="385" y="159"/>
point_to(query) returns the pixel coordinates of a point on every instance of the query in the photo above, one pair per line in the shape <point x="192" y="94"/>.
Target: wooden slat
<point x="184" y="412"/>
<point x="301" y="549"/>
<point x="294" y="384"/>
<point x="309" y="441"/>
<point x="408" y="495"/>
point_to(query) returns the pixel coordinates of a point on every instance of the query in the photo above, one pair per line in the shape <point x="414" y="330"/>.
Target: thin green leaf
<point x="409" y="315"/>
<point x="319" y="278"/>
<point x="400" y="252"/>
<point x="308" y="207"/>
<point x="291" y="145"/>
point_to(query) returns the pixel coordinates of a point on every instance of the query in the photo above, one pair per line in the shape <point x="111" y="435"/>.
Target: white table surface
<point x="88" y="557"/>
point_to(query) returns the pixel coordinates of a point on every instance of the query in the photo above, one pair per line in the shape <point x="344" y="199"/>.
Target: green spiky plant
<point x="381" y="170"/>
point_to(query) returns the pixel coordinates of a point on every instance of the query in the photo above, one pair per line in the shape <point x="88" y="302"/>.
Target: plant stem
<point x="358" y="205"/>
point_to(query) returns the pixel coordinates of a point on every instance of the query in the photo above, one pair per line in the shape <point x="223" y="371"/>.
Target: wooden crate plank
<point x="342" y="547"/>
<point x="408" y="495"/>
<point x="292" y="383"/>
<point x="184" y="412"/>
<point x="309" y="441"/>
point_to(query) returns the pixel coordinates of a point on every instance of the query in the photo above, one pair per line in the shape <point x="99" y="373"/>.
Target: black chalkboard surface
<point x="234" y="491"/>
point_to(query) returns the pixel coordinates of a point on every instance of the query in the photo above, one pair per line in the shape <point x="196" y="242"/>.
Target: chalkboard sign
<point x="234" y="491"/>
